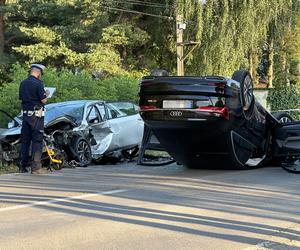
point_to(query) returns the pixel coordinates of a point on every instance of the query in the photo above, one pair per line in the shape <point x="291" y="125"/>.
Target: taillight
<point x="147" y="107"/>
<point x="217" y="111"/>
<point x="217" y="84"/>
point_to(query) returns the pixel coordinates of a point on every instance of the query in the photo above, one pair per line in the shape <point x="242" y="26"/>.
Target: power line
<point x="148" y="3"/>
<point x="143" y="13"/>
<point x="139" y="12"/>
<point x="141" y="4"/>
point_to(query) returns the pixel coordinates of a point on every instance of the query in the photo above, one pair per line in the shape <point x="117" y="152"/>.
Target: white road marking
<point x="47" y="202"/>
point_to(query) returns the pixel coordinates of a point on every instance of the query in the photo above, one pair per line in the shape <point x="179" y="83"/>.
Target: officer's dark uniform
<point x="31" y="93"/>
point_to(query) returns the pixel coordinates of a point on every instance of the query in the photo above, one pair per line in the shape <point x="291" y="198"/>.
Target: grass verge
<point x="6" y="169"/>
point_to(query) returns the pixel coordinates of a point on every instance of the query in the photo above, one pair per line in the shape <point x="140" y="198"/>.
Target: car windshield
<point x="75" y="111"/>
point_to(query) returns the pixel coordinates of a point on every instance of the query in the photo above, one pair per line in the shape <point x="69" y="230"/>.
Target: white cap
<point x="38" y="66"/>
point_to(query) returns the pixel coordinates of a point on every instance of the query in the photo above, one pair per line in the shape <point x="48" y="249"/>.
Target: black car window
<point x="126" y="107"/>
<point x="114" y="112"/>
<point x="102" y="111"/>
<point x="6" y="121"/>
<point x="93" y="115"/>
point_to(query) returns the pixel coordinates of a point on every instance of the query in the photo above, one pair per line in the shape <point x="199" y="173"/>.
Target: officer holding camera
<point x="33" y="97"/>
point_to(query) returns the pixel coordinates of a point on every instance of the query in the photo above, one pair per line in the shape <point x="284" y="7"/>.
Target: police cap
<point x="41" y="67"/>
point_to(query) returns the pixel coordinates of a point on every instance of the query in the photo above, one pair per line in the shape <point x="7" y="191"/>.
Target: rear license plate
<point x="177" y="104"/>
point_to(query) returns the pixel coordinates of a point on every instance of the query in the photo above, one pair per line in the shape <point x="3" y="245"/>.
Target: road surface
<point x="126" y="206"/>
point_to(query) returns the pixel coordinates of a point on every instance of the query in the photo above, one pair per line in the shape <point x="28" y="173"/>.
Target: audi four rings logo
<point x="175" y="113"/>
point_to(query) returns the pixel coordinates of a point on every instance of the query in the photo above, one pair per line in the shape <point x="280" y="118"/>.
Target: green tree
<point x="2" y="37"/>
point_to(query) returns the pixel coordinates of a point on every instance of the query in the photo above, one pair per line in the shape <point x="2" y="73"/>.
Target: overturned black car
<point x="77" y="132"/>
<point x="212" y="120"/>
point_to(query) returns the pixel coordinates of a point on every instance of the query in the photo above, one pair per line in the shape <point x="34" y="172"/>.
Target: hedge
<point x="70" y="86"/>
<point x="284" y="98"/>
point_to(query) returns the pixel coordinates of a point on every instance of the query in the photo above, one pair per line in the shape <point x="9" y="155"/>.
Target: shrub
<point x="284" y="98"/>
<point x="122" y="88"/>
<point x="70" y="86"/>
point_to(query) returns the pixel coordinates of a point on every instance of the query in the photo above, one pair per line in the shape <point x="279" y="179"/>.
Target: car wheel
<point x="283" y="117"/>
<point x="82" y="152"/>
<point x="246" y="87"/>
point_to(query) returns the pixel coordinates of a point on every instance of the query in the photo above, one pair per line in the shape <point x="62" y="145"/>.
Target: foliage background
<point x="70" y="87"/>
<point x="100" y="48"/>
<point x="286" y="98"/>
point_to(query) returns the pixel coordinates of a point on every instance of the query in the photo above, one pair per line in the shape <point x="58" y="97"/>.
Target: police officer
<point x="33" y="97"/>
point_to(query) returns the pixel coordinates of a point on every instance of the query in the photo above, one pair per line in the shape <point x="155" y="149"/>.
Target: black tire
<point x="283" y="117"/>
<point x="82" y="151"/>
<point x="246" y="87"/>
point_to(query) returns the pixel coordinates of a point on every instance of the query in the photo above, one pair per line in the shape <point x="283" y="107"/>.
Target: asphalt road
<point x="131" y="207"/>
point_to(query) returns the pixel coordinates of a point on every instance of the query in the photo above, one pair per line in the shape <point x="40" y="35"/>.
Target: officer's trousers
<point x="32" y="135"/>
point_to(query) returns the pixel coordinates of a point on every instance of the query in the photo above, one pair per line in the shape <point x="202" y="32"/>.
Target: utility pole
<point x="180" y="27"/>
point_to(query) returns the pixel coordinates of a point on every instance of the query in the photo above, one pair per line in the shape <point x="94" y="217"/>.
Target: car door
<point x="114" y="116"/>
<point x="126" y="123"/>
<point x="132" y="123"/>
<point x="100" y="129"/>
<point x="287" y="139"/>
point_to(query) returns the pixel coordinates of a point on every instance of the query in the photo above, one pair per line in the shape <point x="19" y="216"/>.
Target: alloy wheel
<point x="248" y="92"/>
<point x="83" y="151"/>
<point x="285" y="119"/>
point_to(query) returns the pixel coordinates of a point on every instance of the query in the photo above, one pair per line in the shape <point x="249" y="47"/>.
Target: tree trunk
<point x="250" y="63"/>
<point x="287" y="74"/>
<point x="285" y="69"/>
<point x="298" y="72"/>
<point x="253" y="64"/>
<point x="270" y="66"/>
<point x="2" y="38"/>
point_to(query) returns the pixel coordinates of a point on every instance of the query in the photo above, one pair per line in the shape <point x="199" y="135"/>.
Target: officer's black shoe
<point x="23" y="170"/>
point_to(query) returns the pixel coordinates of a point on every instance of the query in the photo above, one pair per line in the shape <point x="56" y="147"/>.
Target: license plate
<point x="177" y="104"/>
